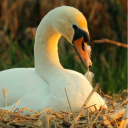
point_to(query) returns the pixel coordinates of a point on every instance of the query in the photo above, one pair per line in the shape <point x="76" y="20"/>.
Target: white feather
<point x="43" y="86"/>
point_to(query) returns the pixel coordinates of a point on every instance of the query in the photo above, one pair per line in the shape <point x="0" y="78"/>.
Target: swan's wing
<point x="20" y="82"/>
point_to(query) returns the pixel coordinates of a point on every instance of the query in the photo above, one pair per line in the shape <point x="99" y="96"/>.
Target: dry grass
<point x="49" y="118"/>
<point x="17" y="15"/>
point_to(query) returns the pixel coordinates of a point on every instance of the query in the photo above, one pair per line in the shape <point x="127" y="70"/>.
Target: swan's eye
<point x="83" y="46"/>
<point x="75" y="27"/>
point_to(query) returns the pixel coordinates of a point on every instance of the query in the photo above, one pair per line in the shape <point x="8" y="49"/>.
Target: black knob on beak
<point x="90" y="66"/>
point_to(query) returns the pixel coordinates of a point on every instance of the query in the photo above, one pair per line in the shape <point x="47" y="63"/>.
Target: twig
<point x="40" y="112"/>
<point x="25" y="109"/>
<point x="98" y="115"/>
<point x="116" y="123"/>
<point x="22" y="116"/>
<point x="84" y="105"/>
<point x="56" y="113"/>
<point x="68" y="102"/>
<point x="16" y="104"/>
<point x="88" y="124"/>
<point x="103" y="40"/>
<point x="99" y="125"/>
<point x="5" y="96"/>
<point x="4" y="114"/>
<point x="124" y="91"/>
<point x="21" y="110"/>
<point x="124" y="102"/>
<point x="37" y="114"/>
<point x="90" y="106"/>
<point x="107" y="122"/>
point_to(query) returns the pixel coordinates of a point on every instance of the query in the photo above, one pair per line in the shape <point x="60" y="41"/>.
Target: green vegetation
<point x="109" y="67"/>
<point x="106" y="19"/>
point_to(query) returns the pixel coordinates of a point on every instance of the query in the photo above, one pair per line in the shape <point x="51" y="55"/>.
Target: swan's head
<point x="72" y="24"/>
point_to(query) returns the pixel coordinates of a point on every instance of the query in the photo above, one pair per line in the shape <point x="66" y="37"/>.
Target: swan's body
<point x="44" y="86"/>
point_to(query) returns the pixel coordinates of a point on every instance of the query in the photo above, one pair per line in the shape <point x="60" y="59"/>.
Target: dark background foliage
<point x="106" y="19"/>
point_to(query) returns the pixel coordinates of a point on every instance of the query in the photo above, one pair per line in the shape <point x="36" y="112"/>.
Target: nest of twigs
<point x="113" y="117"/>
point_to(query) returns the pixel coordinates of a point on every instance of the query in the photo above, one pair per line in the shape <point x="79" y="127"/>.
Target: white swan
<point x="43" y="86"/>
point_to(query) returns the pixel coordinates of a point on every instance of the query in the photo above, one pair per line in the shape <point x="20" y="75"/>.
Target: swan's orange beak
<point x="81" y="48"/>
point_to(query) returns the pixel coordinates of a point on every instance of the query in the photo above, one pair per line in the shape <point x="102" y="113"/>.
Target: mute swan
<point x="43" y="86"/>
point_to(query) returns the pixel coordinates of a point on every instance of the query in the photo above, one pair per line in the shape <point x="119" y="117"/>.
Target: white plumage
<point x="43" y="86"/>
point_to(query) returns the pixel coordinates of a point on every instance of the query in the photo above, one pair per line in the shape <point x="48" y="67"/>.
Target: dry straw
<point x="113" y="117"/>
<point x="5" y="96"/>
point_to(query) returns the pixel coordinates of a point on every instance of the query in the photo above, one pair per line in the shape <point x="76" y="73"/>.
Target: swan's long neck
<point x="47" y="62"/>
